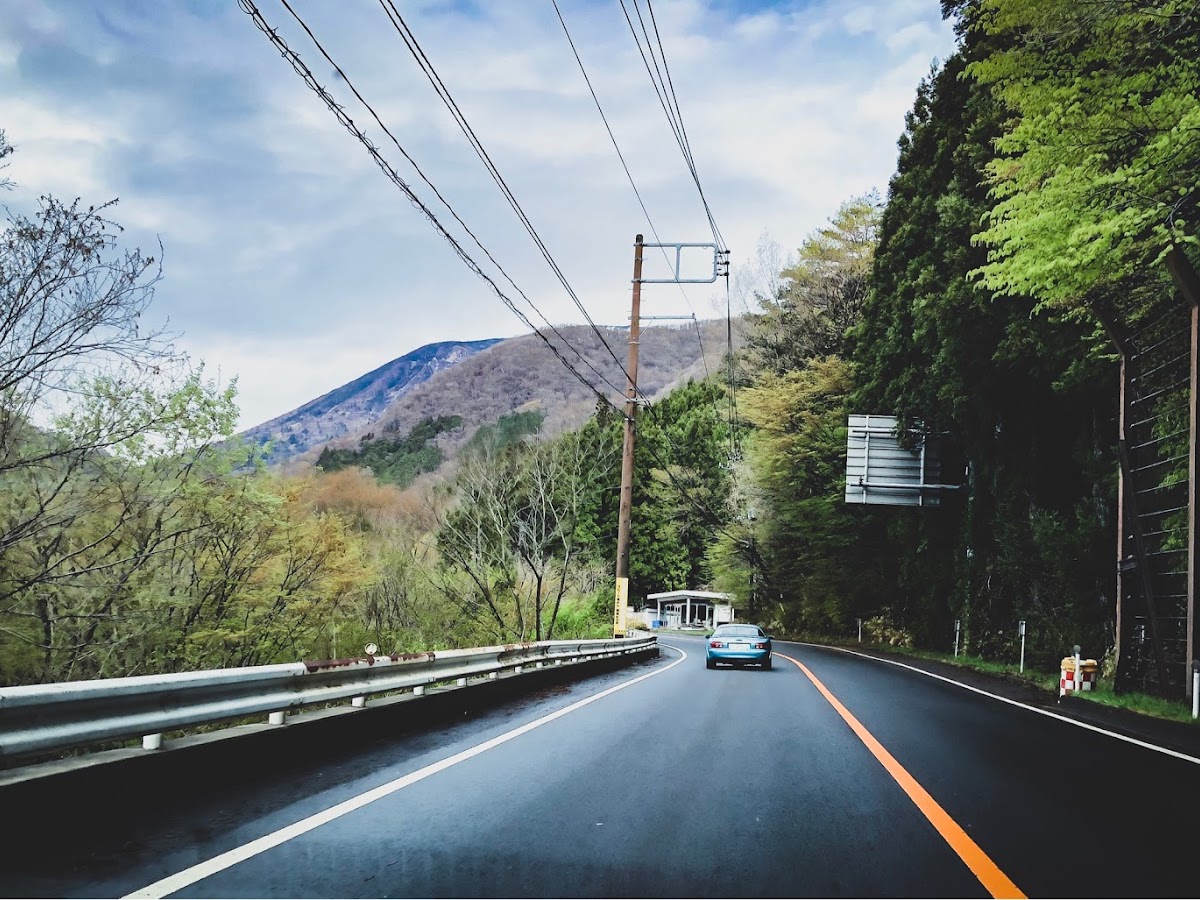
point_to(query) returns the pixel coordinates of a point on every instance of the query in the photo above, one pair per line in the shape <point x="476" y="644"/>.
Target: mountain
<point x="347" y="409"/>
<point x="522" y="375"/>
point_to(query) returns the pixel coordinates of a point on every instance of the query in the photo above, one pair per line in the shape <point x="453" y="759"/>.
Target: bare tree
<point x="101" y="421"/>
<point x="512" y="531"/>
<point x="5" y="151"/>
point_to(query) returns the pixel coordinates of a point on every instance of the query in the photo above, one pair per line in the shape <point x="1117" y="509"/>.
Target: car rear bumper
<point x="738" y="656"/>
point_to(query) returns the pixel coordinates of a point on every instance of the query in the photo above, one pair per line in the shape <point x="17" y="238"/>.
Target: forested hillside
<point x="357" y="403"/>
<point x="522" y="374"/>
<point x="1047" y="182"/>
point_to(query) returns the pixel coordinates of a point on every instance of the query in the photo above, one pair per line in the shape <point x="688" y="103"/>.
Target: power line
<point x="390" y="172"/>
<point x="629" y="175"/>
<point x="673" y="114"/>
<point x="445" y="203"/>
<point x="686" y="145"/>
<point x="735" y="446"/>
<point x="425" y="64"/>
<point x="637" y="193"/>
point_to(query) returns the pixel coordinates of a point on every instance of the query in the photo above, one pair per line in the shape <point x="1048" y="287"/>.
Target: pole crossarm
<point x="720" y="264"/>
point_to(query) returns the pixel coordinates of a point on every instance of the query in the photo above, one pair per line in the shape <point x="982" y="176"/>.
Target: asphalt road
<point x="667" y="779"/>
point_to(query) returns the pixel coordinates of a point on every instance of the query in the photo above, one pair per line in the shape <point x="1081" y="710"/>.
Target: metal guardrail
<point x="45" y="718"/>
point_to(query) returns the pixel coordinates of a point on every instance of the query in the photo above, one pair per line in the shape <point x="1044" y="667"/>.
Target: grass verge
<point x="1143" y="704"/>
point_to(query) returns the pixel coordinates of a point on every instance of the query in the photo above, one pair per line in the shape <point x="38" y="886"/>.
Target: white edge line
<point x="200" y="871"/>
<point x="1041" y="712"/>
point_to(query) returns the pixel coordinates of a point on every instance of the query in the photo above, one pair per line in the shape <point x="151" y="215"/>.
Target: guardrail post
<point x="462" y="682"/>
<point x="419" y="690"/>
<point x="493" y="675"/>
<point x="151" y="741"/>
<point x="358" y="702"/>
<point x="276" y="718"/>
<point x="519" y="669"/>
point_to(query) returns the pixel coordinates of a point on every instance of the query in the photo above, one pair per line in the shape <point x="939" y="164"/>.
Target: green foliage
<point x="1028" y="398"/>
<point x="818" y="556"/>
<point x="880" y="630"/>
<point x="508" y="429"/>
<point x="513" y="541"/>
<point x="680" y="490"/>
<point x="395" y="462"/>
<point x="1098" y="172"/>
<point x="586" y="616"/>
<point x="821" y="296"/>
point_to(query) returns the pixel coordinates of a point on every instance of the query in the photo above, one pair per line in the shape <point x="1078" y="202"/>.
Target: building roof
<point x="690" y="595"/>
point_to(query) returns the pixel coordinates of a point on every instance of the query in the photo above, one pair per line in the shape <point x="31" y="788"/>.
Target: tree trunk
<point x="1183" y="273"/>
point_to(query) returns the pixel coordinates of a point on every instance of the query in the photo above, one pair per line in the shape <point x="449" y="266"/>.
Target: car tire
<point x="767" y="665"/>
<point x="709" y="664"/>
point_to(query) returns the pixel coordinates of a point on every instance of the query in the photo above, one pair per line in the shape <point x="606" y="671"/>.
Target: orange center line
<point x="995" y="881"/>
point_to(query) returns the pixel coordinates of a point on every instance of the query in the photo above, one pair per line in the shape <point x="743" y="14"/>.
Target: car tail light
<point x="717" y="644"/>
<point x="761" y="645"/>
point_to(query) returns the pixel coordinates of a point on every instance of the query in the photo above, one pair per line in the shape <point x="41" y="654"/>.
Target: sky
<point x="291" y="263"/>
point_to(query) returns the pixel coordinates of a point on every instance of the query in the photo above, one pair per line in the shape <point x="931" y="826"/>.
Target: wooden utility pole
<point x="626" y="508"/>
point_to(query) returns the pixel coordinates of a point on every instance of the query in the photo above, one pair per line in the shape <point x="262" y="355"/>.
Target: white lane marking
<point x="1041" y="712"/>
<point x="200" y="871"/>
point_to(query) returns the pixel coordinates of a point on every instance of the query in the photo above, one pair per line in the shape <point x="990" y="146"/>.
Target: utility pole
<point x="626" y="507"/>
<point x="720" y="266"/>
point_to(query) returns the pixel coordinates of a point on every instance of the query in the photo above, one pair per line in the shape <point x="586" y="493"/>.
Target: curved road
<point x="832" y="775"/>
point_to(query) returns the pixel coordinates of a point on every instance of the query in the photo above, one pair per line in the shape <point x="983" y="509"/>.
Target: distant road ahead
<point x="671" y="780"/>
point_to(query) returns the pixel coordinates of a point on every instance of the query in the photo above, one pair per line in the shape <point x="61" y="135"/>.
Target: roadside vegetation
<point x="1133" y="701"/>
<point x="1047" y="170"/>
<point x="136" y="536"/>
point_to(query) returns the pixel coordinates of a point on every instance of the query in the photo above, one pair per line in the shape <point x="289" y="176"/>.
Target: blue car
<point x="738" y="645"/>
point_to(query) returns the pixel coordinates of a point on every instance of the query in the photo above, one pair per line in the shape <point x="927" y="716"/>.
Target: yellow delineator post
<point x="626" y="507"/>
<point x="621" y="604"/>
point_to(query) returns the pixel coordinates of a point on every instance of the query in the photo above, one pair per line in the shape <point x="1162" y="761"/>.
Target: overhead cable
<point x="629" y="175"/>
<point x="392" y="175"/>
<point x="673" y="113"/>
<point x="423" y="62"/>
<point x="445" y="203"/>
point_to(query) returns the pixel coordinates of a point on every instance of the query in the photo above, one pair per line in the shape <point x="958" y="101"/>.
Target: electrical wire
<point x="674" y="115"/>
<point x="734" y="450"/>
<point x="445" y="203"/>
<point x="629" y="175"/>
<point x="425" y="64"/>
<point x="390" y="172"/>
<point x="687" y="146"/>
<point x="664" y="88"/>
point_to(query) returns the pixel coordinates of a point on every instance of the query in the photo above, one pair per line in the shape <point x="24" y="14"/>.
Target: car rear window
<point x="739" y="631"/>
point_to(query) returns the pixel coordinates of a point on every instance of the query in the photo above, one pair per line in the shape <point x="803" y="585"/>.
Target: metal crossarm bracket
<point x="720" y="262"/>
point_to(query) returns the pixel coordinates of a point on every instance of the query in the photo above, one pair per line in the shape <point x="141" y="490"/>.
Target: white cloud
<point x="293" y="263"/>
<point x="59" y="149"/>
<point x="755" y="28"/>
<point x="919" y="34"/>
